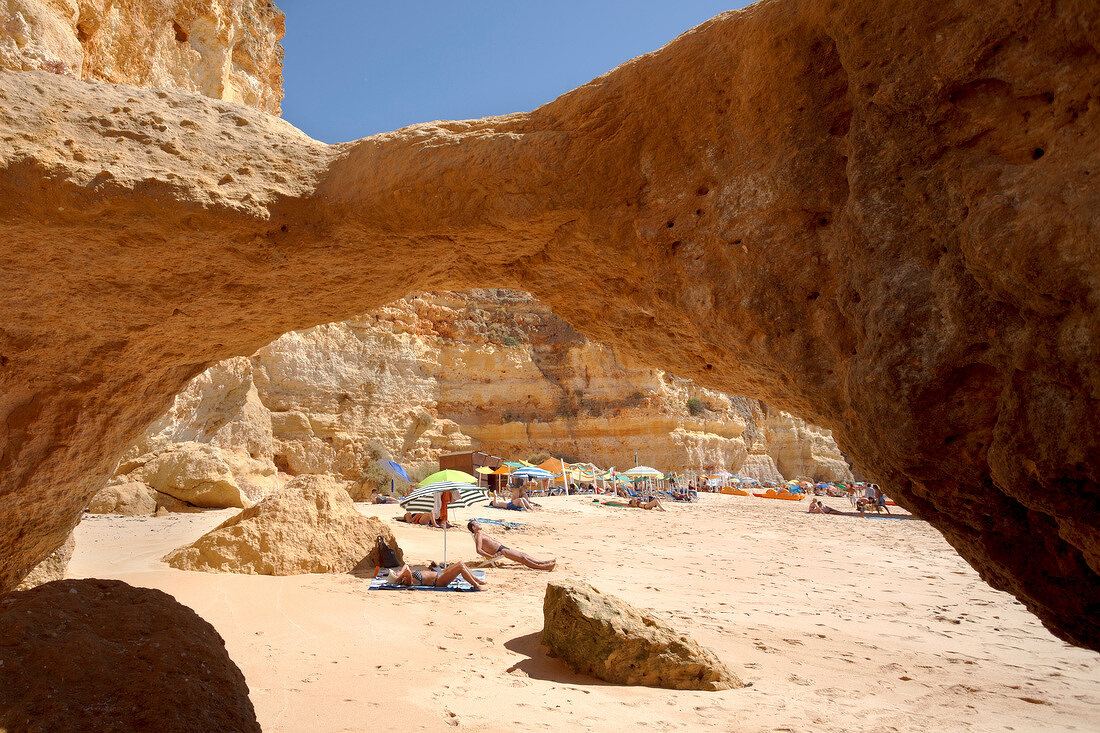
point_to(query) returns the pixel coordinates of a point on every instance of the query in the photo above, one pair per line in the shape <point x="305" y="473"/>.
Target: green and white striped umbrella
<point x="423" y="499"/>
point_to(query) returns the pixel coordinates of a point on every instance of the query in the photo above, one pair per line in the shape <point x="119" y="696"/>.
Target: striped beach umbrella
<point x="462" y="494"/>
<point x="532" y="472"/>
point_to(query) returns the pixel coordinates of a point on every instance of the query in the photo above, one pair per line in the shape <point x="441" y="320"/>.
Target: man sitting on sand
<point x="432" y="578"/>
<point x="816" y="507"/>
<point x="488" y="547"/>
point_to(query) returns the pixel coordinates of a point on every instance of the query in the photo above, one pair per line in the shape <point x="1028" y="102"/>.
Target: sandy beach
<point x="840" y="624"/>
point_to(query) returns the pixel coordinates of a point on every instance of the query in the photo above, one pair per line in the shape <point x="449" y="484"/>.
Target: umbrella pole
<point x="444" y="545"/>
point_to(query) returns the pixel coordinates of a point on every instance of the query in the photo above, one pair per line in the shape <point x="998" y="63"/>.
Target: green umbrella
<point x="449" y="474"/>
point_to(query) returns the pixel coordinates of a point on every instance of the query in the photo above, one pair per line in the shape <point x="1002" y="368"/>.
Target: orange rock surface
<point x="879" y="217"/>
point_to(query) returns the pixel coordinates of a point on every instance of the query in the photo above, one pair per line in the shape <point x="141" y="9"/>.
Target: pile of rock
<point x="310" y="526"/>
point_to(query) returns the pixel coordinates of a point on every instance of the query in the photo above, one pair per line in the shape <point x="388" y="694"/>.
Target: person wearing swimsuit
<point x="420" y="518"/>
<point x="652" y="503"/>
<point x="486" y="546"/>
<point x="431" y="578"/>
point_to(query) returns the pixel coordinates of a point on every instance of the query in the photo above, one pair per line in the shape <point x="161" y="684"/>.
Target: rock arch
<point x="880" y="217"/>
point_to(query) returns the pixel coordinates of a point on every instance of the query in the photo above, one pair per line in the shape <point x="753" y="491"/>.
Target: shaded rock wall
<point x="226" y="49"/>
<point x="876" y="216"/>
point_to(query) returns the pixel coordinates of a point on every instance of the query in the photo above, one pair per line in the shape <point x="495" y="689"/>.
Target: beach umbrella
<point x="396" y="470"/>
<point x="449" y="474"/>
<point x="462" y="495"/>
<point x="532" y="472"/>
<point x="643" y="471"/>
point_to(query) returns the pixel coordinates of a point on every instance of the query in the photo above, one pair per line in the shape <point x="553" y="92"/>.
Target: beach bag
<point x="386" y="556"/>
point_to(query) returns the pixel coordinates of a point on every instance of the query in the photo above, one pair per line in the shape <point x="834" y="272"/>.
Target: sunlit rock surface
<point x="877" y="216"/>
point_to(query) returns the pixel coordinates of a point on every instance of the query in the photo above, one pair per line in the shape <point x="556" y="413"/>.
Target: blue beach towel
<point x="380" y="582"/>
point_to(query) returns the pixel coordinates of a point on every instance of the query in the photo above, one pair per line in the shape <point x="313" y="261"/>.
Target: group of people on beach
<point x="485" y="545"/>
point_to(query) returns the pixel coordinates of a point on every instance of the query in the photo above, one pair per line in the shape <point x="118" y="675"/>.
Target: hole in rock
<point x="181" y="34"/>
<point x="1037" y="153"/>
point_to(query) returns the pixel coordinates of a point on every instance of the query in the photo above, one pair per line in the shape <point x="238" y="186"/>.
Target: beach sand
<point x="840" y="624"/>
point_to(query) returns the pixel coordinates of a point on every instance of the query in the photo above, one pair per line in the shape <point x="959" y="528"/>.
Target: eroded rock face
<point x="879" y="217"/>
<point x="438" y="373"/>
<point x="103" y="655"/>
<point x="224" y="49"/>
<point x="310" y="526"/>
<point x="608" y="638"/>
<point x="52" y="568"/>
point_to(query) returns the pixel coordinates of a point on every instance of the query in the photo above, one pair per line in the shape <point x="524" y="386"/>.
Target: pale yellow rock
<point x="227" y="49"/>
<point x="130" y="498"/>
<point x="310" y="526"/>
<point x="195" y="473"/>
<point x="53" y="567"/>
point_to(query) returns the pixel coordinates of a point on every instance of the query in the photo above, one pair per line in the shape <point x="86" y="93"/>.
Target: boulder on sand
<point x="98" y="655"/>
<point x="129" y="498"/>
<point x="310" y="526"/>
<point x="608" y="638"/>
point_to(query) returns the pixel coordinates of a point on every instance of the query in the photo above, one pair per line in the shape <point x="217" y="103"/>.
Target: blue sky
<point x="357" y="67"/>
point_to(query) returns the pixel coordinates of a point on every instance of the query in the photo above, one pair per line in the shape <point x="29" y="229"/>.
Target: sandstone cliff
<point x="226" y="49"/>
<point x="879" y="216"/>
<point x="491" y="370"/>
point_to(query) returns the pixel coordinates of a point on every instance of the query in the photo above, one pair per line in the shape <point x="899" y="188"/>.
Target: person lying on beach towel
<point x="424" y="518"/>
<point x="816" y="507"/>
<point x="649" y="503"/>
<point x="434" y="578"/>
<point x="488" y="547"/>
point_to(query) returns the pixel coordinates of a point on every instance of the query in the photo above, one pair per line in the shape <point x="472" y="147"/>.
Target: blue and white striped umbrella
<point x="532" y="472"/>
<point x="423" y="499"/>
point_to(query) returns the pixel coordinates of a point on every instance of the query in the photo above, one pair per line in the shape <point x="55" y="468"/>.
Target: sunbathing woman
<point x="486" y="546"/>
<point x="651" y="503"/>
<point x="430" y="578"/>
<point x="420" y="518"/>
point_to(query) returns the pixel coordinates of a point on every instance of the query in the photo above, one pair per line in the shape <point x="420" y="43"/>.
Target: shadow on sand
<point x="540" y="665"/>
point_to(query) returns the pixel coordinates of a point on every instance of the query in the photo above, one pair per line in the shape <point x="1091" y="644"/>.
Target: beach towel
<point x="499" y="523"/>
<point x="380" y="582"/>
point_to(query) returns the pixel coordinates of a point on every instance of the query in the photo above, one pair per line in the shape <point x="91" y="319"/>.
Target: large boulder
<point x="310" y="526"/>
<point x="53" y="567"/>
<point x="129" y="498"/>
<point x="608" y="638"/>
<point x="96" y="655"/>
<point x="195" y="473"/>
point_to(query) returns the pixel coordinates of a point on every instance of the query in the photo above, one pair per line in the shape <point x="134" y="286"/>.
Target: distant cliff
<point x="492" y="370"/>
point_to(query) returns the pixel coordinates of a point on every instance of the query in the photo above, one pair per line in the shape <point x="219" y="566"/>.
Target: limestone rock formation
<point x="227" y="49"/>
<point x="100" y="655"/>
<point x="606" y="637"/>
<point x="877" y="216"/>
<point x="442" y="372"/>
<point x="52" y="568"/>
<point x="310" y="526"/>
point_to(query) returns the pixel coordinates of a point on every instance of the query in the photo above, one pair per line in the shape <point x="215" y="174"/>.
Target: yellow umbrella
<point x="484" y="470"/>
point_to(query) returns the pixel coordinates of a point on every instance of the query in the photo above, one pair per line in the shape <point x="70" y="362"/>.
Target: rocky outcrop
<point x="103" y="655"/>
<point x="310" y="526"/>
<point x="608" y="638"/>
<point x="491" y="370"/>
<point x="226" y="49"/>
<point x="52" y="568"/>
<point x="876" y="216"/>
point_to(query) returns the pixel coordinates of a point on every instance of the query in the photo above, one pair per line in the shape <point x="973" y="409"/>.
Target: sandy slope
<point x="841" y="624"/>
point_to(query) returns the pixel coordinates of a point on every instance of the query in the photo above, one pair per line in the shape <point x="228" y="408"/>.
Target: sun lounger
<point x="381" y="582"/>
